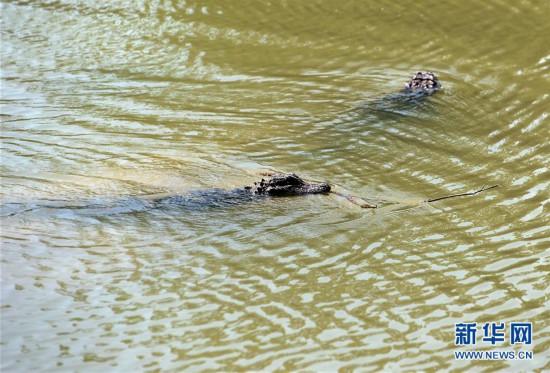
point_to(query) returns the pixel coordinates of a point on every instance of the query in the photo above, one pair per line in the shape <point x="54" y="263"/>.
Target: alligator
<point x="278" y="185"/>
<point x="286" y="185"/>
<point x="415" y="93"/>
<point x="423" y="82"/>
<point x="274" y="185"/>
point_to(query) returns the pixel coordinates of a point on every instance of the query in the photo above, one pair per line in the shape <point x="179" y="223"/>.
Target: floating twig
<point x="483" y="189"/>
<point x="356" y="200"/>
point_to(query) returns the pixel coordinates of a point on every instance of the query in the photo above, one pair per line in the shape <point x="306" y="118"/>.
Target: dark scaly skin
<point x="286" y="185"/>
<point x="423" y="82"/>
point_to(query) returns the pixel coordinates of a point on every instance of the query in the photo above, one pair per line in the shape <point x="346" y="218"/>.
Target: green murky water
<point x="104" y="102"/>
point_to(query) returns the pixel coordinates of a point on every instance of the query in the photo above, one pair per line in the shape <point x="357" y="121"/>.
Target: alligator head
<point x="286" y="185"/>
<point x="423" y="82"/>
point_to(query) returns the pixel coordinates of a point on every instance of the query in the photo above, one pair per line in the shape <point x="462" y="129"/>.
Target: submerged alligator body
<point x="415" y="93"/>
<point x="276" y="185"/>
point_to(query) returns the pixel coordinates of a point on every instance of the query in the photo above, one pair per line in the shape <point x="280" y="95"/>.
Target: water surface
<point x="106" y="103"/>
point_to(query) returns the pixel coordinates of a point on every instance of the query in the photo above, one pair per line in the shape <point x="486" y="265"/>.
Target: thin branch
<point x="355" y="200"/>
<point x="462" y="194"/>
